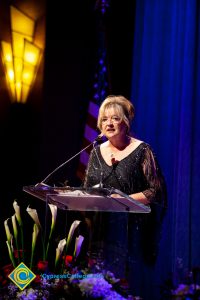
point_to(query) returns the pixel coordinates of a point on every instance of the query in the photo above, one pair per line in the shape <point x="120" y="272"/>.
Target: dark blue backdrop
<point x="166" y="94"/>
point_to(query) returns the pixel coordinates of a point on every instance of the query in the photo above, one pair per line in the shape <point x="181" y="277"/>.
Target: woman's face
<point x="113" y="124"/>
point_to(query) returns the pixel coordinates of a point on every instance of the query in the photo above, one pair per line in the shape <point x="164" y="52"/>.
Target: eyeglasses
<point x="113" y="119"/>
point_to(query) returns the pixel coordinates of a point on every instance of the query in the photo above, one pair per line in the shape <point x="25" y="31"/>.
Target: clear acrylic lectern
<point x="90" y="199"/>
<point x="97" y="200"/>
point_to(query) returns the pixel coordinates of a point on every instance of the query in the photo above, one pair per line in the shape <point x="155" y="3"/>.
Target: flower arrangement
<point x="68" y="278"/>
<point x="186" y="292"/>
<point x="183" y="284"/>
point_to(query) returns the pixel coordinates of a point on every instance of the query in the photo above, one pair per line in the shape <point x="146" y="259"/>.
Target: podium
<point x="87" y="199"/>
<point x="97" y="200"/>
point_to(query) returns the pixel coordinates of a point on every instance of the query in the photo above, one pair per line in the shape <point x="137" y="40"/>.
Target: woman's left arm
<point x="156" y="189"/>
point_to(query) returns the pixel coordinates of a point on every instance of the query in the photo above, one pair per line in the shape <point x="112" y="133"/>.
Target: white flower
<point x="59" y="250"/>
<point x="28" y="294"/>
<point x="33" y="213"/>
<point x="17" y="212"/>
<point x="61" y="245"/>
<point x="14" y="226"/>
<point x="53" y="209"/>
<point x="10" y="251"/>
<point x="78" y="244"/>
<point x="8" y="234"/>
<point x="71" y="231"/>
<point x="94" y="285"/>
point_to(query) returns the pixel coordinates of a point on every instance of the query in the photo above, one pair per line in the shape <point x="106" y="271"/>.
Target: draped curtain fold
<point x="166" y="95"/>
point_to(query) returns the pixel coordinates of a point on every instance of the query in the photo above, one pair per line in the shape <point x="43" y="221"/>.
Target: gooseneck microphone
<point x="97" y="139"/>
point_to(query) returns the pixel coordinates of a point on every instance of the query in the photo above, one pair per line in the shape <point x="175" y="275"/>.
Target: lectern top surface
<point x="93" y="199"/>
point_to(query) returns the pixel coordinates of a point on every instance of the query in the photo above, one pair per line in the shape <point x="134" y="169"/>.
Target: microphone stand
<point x="98" y="138"/>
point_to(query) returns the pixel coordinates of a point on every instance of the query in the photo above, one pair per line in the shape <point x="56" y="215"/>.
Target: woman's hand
<point x="116" y="196"/>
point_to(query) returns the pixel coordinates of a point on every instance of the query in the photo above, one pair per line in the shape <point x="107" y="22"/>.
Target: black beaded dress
<point x="131" y="239"/>
<point x="138" y="172"/>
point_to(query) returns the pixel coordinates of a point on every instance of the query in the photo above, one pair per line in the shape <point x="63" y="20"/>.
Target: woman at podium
<point x="128" y="164"/>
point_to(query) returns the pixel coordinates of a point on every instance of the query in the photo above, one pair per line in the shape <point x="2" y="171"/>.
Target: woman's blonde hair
<point x="123" y="107"/>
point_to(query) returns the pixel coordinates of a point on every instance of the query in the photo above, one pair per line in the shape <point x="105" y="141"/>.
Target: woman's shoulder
<point x="135" y="142"/>
<point x="139" y="147"/>
<point x="141" y="144"/>
<point x="138" y="144"/>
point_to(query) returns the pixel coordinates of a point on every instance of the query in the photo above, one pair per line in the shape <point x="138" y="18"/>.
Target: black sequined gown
<point x="138" y="172"/>
<point x="131" y="239"/>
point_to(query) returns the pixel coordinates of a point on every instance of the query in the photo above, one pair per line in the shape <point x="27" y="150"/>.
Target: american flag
<point x="100" y="90"/>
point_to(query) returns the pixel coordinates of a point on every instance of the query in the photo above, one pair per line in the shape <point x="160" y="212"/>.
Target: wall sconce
<point x="21" y="57"/>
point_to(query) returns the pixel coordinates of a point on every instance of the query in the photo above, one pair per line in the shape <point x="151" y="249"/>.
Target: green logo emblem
<point x="22" y="276"/>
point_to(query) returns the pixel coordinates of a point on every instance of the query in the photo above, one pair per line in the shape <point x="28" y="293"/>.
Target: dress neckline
<point x="142" y="143"/>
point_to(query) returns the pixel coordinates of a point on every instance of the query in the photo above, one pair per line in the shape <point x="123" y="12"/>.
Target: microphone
<point x="97" y="139"/>
<point x="114" y="162"/>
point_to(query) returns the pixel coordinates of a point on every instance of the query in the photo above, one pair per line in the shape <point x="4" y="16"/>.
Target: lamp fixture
<point x="21" y="57"/>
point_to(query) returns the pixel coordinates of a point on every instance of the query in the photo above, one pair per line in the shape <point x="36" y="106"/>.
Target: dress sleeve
<point x="156" y="191"/>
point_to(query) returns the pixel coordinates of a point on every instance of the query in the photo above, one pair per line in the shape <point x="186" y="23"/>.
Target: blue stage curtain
<point x="166" y="95"/>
